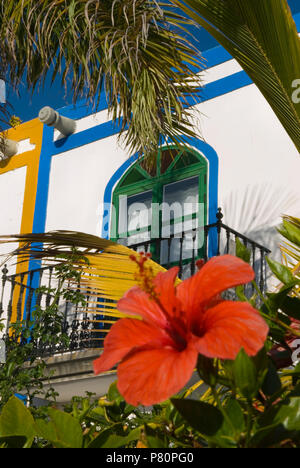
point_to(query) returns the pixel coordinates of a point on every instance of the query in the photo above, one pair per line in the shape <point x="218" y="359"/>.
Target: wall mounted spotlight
<point x="50" y="117"/>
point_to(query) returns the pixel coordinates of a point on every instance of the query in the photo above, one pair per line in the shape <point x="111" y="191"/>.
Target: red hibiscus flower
<point x="157" y="351"/>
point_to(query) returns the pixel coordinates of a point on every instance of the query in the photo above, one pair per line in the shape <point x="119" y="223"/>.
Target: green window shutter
<point x="173" y="165"/>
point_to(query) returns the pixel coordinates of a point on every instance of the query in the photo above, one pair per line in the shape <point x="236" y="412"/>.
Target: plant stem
<point x="221" y="408"/>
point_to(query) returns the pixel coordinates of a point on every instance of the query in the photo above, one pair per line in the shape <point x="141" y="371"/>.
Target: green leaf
<point x="268" y="436"/>
<point x="16" y="420"/>
<point x="276" y="300"/>
<point x="291" y="307"/>
<point x="289" y="414"/>
<point x="202" y="416"/>
<point x="272" y="382"/>
<point x="207" y="370"/>
<point x="241" y="251"/>
<point x="240" y="292"/>
<point x="235" y="414"/>
<point x="290" y="231"/>
<point x="281" y="272"/>
<point x="285" y="414"/>
<point x="14" y="442"/>
<point x="232" y="428"/>
<point x="46" y="430"/>
<point x="108" y="438"/>
<point x="68" y="432"/>
<point x="103" y="438"/>
<point x="154" y="440"/>
<point x="113" y="392"/>
<point x="245" y="375"/>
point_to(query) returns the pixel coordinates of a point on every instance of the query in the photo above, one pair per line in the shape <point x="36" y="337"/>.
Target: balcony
<point x="85" y="330"/>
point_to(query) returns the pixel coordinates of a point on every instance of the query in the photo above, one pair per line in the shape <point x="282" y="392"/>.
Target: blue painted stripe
<point x="215" y="56"/>
<point x="43" y="181"/>
<point x="219" y="88"/>
<point x="105" y="130"/>
<point x="87" y="136"/>
<point x="107" y="199"/>
<point x="297" y="21"/>
<point x="212" y="57"/>
<point x="84" y="109"/>
<point x="21" y="397"/>
<point x="224" y="86"/>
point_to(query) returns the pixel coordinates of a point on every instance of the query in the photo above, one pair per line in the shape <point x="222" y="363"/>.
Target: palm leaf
<point x="262" y="36"/>
<point x="107" y="271"/>
<point x="127" y="48"/>
<point x="290" y="249"/>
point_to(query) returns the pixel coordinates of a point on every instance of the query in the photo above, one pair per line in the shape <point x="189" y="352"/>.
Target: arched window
<point x="161" y="209"/>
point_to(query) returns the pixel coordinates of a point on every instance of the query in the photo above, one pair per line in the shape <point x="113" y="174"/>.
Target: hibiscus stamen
<point x="145" y="280"/>
<point x="145" y="274"/>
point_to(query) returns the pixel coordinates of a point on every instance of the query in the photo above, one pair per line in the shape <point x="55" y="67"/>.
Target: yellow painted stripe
<point x="32" y="130"/>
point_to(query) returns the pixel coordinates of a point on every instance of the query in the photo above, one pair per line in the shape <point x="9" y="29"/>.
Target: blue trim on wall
<point x="215" y="56"/>
<point x="297" y="21"/>
<point x="87" y="136"/>
<point x="219" y="88"/>
<point x="43" y="181"/>
<point x="213" y="163"/>
<point x="226" y="85"/>
<point x="21" y="397"/>
<point x="107" y="199"/>
<point x="83" y="109"/>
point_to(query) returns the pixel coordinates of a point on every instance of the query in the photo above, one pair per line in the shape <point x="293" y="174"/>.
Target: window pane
<point x="135" y="217"/>
<point x="179" y="207"/>
<point x="185" y="193"/>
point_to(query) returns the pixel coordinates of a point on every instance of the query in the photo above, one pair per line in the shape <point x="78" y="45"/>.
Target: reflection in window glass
<point x="135" y="217"/>
<point x="180" y="217"/>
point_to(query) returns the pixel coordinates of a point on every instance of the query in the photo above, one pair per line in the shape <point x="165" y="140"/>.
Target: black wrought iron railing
<point x="21" y="293"/>
<point x="185" y="248"/>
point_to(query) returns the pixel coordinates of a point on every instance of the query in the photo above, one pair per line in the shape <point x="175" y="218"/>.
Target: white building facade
<point x="243" y="162"/>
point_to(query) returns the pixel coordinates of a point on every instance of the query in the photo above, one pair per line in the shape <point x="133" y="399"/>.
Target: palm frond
<point x="128" y="48"/>
<point x="262" y="36"/>
<point x="107" y="271"/>
<point x="290" y="249"/>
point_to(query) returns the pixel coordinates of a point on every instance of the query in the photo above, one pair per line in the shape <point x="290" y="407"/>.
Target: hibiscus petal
<point x="217" y="275"/>
<point x="228" y="327"/>
<point x="165" y="288"/>
<point x="151" y="376"/>
<point x="137" y="302"/>
<point x="123" y="337"/>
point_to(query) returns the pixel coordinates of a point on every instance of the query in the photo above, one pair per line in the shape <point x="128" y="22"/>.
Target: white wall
<point x="78" y="180"/>
<point x="259" y="166"/>
<point x="12" y="186"/>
